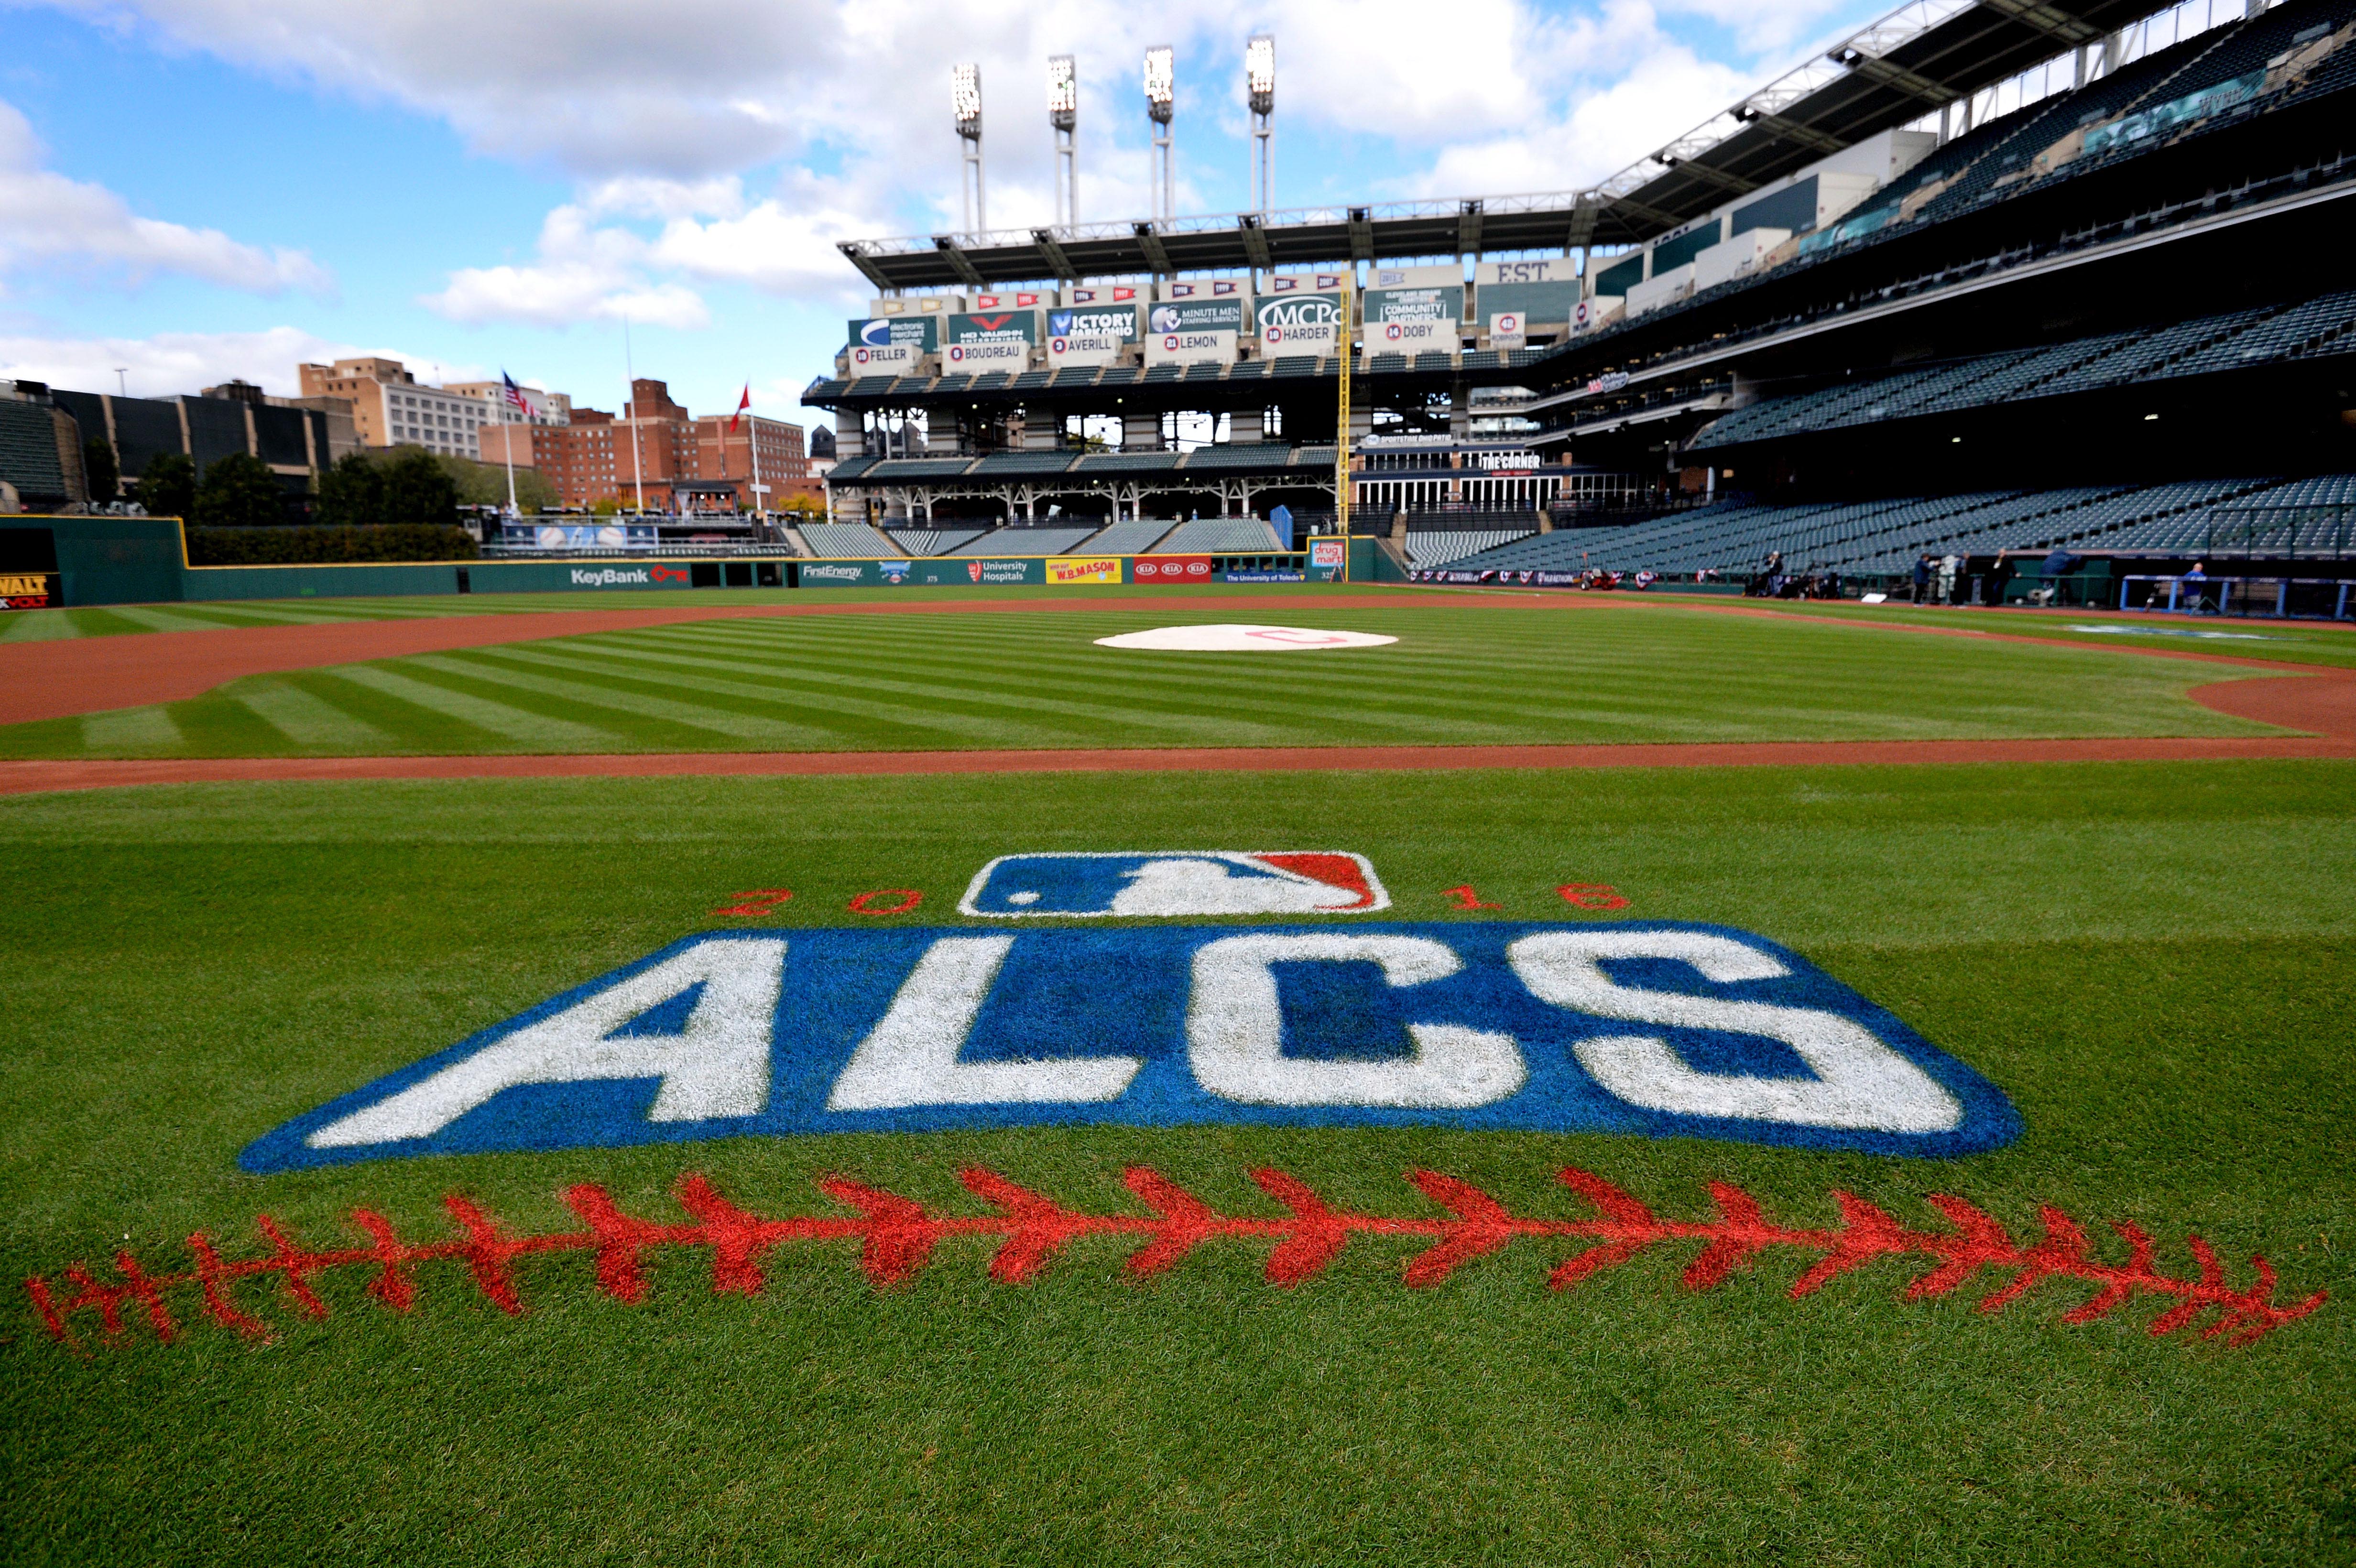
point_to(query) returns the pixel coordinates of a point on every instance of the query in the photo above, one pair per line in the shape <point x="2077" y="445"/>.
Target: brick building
<point x="656" y="446"/>
<point x="392" y="408"/>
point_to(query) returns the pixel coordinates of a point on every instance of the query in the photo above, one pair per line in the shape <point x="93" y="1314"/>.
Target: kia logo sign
<point x="1198" y="568"/>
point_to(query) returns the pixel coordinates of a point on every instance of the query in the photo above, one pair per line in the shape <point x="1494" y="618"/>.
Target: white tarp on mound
<point x="1241" y="639"/>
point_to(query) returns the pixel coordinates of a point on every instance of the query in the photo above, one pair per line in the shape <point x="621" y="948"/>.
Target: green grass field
<point x="2152" y="961"/>
<point x="1460" y="675"/>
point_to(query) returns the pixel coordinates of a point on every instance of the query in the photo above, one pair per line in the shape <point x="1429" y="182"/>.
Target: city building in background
<point x="655" y="447"/>
<point x="392" y="408"/>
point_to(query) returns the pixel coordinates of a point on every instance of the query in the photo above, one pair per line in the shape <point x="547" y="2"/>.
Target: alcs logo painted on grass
<point x="1663" y="1030"/>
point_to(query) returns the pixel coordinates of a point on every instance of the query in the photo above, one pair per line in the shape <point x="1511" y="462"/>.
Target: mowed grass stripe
<point x="974" y="718"/>
<point x="304" y="718"/>
<point x="509" y="721"/>
<point x="609" y="696"/>
<point x="139" y="729"/>
<point x="989" y="717"/>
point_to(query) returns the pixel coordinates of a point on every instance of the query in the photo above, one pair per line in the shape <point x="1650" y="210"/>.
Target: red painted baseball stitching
<point x="896" y="1237"/>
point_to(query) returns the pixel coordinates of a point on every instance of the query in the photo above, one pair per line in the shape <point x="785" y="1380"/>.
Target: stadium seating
<point x="1133" y="537"/>
<point x="1023" y="541"/>
<point x="1885" y="537"/>
<point x="931" y="541"/>
<point x="1012" y="464"/>
<point x="1242" y="454"/>
<point x="1219" y="536"/>
<point x="1438" y="547"/>
<point x="2233" y="340"/>
<point x="848" y="538"/>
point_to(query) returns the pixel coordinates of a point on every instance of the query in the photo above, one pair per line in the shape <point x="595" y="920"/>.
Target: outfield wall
<point x="144" y="560"/>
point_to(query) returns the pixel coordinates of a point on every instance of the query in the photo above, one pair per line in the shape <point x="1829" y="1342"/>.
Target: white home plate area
<point x="1241" y="639"/>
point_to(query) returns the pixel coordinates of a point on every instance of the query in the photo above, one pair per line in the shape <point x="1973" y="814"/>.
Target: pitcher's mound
<point x="1241" y="639"/>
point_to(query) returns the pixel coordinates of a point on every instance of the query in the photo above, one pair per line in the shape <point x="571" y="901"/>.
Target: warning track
<point x="2322" y="703"/>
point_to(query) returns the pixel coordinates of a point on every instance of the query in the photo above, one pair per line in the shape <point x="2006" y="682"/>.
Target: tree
<point x="417" y="490"/>
<point x="98" y="467"/>
<point x="238" y="492"/>
<point x="352" y="493"/>
<point x="168" y="488"/>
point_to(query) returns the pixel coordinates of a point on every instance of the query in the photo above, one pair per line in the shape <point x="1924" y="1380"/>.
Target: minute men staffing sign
<point x="991" y="340"/>
<point x="1179" y="331"/>
<point x="891" y="345"/>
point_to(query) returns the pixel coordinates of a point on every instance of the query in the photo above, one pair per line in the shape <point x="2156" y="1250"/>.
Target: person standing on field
<point x="1922" y="577"/>
<point x="1948" y="566"/>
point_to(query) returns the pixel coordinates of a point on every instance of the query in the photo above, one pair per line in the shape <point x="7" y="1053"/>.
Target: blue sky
<point x="196" y="190"/>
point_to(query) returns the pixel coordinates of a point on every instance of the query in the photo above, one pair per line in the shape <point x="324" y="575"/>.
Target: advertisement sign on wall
<point x="991" y="340"/>
<point x="1297" y="322"/>
<point x="1506" y="330"/>
<point x="1435" y="302"/>
<point x="1091" y="334"/>
<point x="890" y="345"/>
<point x="1180" y="331"/>
<point x="1168" y="568"/>
<point x="1070" y="569"/>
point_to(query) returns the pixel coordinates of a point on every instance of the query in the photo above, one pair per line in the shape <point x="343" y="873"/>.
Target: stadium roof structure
<point x="1919" y="57"/>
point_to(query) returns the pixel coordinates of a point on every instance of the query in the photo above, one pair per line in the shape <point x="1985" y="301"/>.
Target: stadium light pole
<point x="965" y="100"/>
<point x="1064" y="115"/>
<point x="1260" y="82"/>
<point x="1160" y="103"/>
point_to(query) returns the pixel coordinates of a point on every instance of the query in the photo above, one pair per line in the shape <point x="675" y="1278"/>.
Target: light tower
<point x="965" y="99"/>
<point x="1161" y="100"/>
<point x="1064" y="114"/>
<point x="1260" y="81"/>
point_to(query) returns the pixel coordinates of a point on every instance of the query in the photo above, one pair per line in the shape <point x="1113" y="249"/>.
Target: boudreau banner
<point x="1181" y="331"/>
<point x="891" y="345"/>
<point x="1297" y="323"/>
<point x="991" y="340"/>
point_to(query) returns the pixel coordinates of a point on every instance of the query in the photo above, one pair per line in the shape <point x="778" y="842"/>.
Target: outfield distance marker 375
<point x="1665" y="1030"/>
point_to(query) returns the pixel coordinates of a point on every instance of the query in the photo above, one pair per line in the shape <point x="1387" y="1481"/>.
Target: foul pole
<point x="1342" y="417"/>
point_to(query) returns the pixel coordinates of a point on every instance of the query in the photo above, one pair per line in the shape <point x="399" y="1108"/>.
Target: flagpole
<point x="507" y="445"/>
<point x="630" y="411"/>
<point x="753" y="439"/>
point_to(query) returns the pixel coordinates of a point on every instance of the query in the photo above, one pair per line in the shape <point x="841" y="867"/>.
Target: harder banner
<point x="1297" y="323"/>
<point x="1646" y="1029"/>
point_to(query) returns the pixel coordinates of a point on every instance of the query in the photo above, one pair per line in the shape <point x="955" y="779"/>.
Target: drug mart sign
<point x="1667" y="1031"/>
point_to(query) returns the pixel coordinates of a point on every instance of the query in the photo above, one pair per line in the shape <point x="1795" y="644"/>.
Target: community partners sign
<point x="1415" y="316"/>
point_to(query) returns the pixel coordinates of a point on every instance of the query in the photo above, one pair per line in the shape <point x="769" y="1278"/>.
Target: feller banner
<point x="891" y="345"/>
<point x="1071" y="569"/>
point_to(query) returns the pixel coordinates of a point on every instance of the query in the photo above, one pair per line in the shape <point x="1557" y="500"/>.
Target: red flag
<point x="742" y="404"/>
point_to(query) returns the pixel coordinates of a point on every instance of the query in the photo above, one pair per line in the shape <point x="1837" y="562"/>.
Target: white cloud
<point x="582" y="273"/>
<point x="46" y="219"/>
<point x="176" y="362"/>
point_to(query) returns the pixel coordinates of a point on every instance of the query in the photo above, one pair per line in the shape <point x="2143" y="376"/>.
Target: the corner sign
<point x="1660" y="1030"/>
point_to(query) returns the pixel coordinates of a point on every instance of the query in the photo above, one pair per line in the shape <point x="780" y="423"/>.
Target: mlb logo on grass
<point x="1219" y="882"/>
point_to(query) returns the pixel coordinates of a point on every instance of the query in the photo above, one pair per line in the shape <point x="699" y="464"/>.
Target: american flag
<point x="514" y="396"/>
